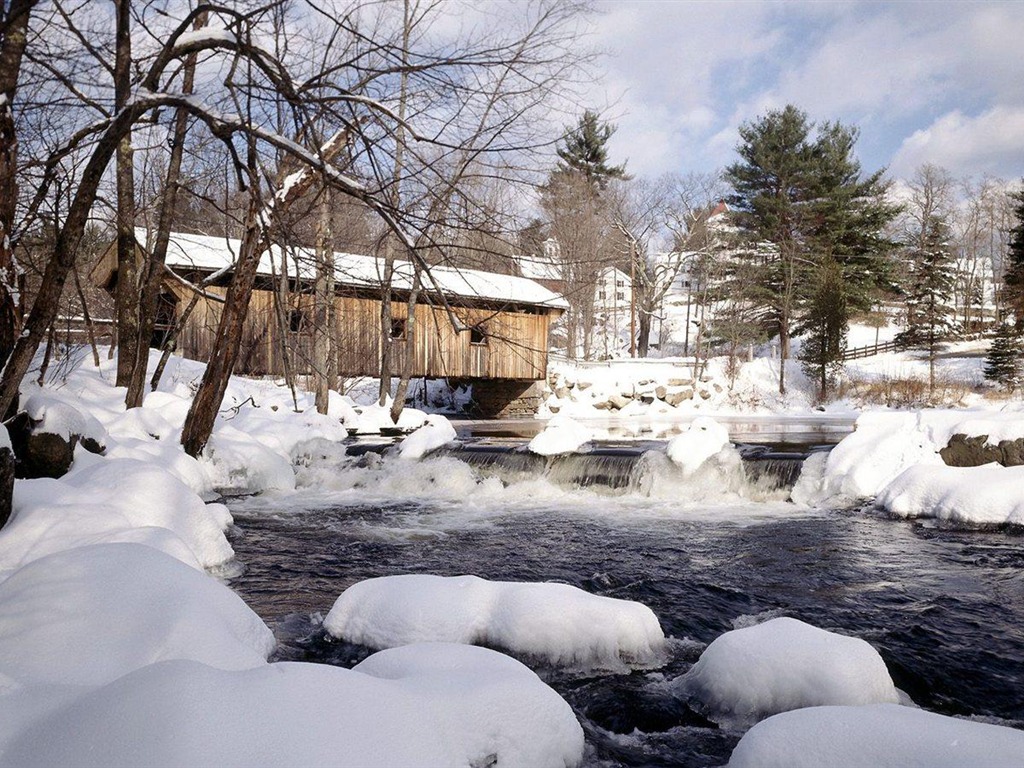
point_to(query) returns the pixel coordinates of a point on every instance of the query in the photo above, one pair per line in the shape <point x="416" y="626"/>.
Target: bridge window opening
<point x="478" y="336"/>
<point x="298" y="321"/>
<point x="398" y="329"/>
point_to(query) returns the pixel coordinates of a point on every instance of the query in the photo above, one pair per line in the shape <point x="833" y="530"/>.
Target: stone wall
<point x="505" y="398"/>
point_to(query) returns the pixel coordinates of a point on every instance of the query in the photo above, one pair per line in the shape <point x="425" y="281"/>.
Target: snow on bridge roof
<point x="203" y="252"/>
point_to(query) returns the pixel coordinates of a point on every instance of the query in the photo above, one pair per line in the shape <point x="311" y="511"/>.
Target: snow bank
<point x="93" y="614"/>
<point x="423" y="705"/>
<point x="561" y="435"/>
<point x="104" y="499"/>
<point x="987" y="495"/>
<point x="887" y="443"/>
<point x="785" y="664"/>
<point x="881" y="736"/>
<point x="701" y="439"/>
<point x="557" y="623"/>
<point x="436" y="433"/>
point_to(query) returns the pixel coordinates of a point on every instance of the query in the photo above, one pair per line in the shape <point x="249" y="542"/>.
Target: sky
<point x="926" y="81"/>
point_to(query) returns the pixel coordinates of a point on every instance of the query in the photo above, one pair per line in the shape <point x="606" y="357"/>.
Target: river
<point x="945" y="608"/>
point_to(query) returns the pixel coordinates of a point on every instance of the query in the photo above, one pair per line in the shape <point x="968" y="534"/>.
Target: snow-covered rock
<point x="92" y="614"/>
<point x="104" y="500"/>
<point x="701" y="439"/>
<point x="557" y="623"/>
<point x="881" y="736"/>
<point x="436" y="433"/>
<point x="987" y="495"/>
<point x="55" y="417"/>
<point x="562" y="434"/>
<point x="423" y="705"/>
<point x="783" y="664"/>
<point x="371" y="419"/>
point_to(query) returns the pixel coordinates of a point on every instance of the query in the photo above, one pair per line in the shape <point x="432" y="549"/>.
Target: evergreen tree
<point x="585" y="151"/>
<point x="933" y="273"/>
<point x="1014" y="280"/>
<point x="1003" y="362"/>
<point x="802" y="202"/>
<point x="825" y="324"/>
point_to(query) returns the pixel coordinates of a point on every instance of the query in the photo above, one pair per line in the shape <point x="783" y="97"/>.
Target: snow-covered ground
<point x="117" y="649"/>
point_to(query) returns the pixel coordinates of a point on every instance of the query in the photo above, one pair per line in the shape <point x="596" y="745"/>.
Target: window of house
<point x="601" y="295"/>
<point x="298" y="321"/>
<point x="477" y="335"/>
<point x="398" y="328"/>
<point x="620" y="296"/>
<point x="620" y="283"/>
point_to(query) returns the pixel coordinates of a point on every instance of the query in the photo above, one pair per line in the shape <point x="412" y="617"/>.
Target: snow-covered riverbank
<point x="117" y="649"/>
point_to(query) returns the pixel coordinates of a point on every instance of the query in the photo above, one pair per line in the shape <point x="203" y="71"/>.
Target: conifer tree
<point x="933" y="273"/>
<point x="1014" y="280"/>
<point x="799" y="190"/>
<point x="826" y="325"/>
<point x="1003" y="362"/>
<point x="585" y="151"/>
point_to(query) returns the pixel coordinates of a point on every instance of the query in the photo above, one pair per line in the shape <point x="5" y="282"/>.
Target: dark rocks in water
<point x="964" y="451"/>
<point x="44" y="454"/>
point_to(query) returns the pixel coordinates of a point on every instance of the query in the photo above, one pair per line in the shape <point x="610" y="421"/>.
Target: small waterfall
<point x="639" y="469"/>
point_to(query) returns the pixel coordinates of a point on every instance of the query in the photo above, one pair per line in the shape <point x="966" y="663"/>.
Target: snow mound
<point x="106" y="499"/>
<point x="93" y="614"/>
<point x="887" y="443"/>
<point x="988" y="495"/>
<point x="783" y="664"/>
<point x="561" y="435"/>
<point x="371" y="419"/>
<point x="472" y="708"/>
<point x="59" y="418"/>
<point x="237" y="462"/>
<point x="557" y="623"/>
<point x="703" y="438"/>
<point x="882" y="736"/>
<point x="436" y="433"/>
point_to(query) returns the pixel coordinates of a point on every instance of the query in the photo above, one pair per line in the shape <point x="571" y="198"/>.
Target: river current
<point x="945" y="608"/>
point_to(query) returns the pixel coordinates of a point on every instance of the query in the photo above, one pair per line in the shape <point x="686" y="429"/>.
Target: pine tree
<point x="1014" y="279"/>
<point x="1003" y="362"/>
<point x="825" y="324"/>
<point x="799" y="189"/>
<point x="930" y="295"/>
<point x="585" y="151"/>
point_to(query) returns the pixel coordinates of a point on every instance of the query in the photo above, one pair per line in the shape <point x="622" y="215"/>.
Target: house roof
<point x="206" y="253"/>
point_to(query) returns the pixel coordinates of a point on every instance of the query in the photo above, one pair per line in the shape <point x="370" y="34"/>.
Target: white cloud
<point x="991" y="142"/>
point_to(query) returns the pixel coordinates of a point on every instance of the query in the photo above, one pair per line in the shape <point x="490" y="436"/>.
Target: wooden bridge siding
<point x="515" y="348"/>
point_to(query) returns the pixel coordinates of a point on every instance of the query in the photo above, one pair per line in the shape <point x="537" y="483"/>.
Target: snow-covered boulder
<point x="988" y="495"/>
<point x="562" y="434"/>
<point x="436" y="433"/>
<point x="699" y="441"/>
<point x="112" y="500"/>
<point x="92" y="614"/>
<point x="556" y="623"/>
<point x="416" y="706"/>
<point x="881" y="736"/>
<point x="783" y="664"/>
<point x="372" y="419"/>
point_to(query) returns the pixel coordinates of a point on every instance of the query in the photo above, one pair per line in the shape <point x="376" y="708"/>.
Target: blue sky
<point x="926" y="81"/>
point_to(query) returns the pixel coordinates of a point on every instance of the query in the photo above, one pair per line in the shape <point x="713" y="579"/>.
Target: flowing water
<point x="945" y="608"/>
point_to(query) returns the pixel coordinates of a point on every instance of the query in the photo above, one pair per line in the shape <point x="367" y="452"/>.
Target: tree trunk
<point x="13" y="39"/>
<point x="323" y="352"/>
<point x="90" y="331"/>
<point x="644" y="337"/>
<point x="203" y="412"/>
<point x="127" y="296"/>
<point x="410" y="347"/>
<point x="153" y="275"/>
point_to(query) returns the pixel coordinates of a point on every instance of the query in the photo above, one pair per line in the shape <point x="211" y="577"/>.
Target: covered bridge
<point x="503" y="353"/>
